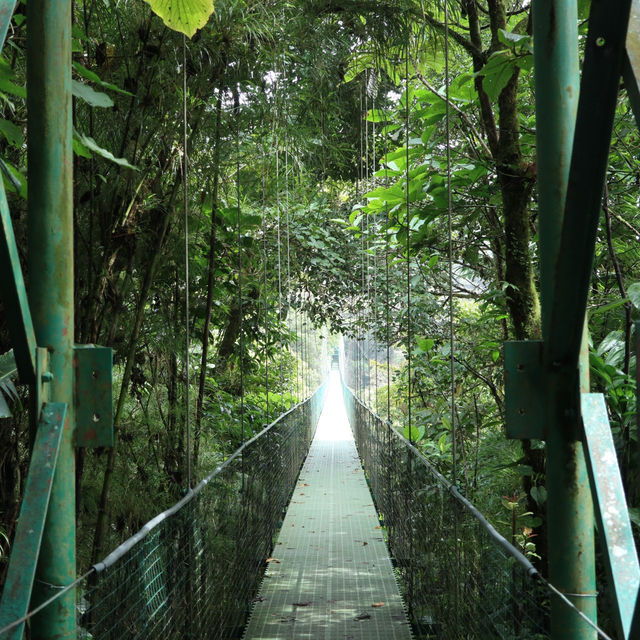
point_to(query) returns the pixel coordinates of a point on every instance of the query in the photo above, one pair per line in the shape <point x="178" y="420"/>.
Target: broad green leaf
<point x="92" y="97"/>
<point x="92" y="145"/>
<point x="7" y="84"/>
<point x="425" y="344"/>
<point x="185" y="16"/>
<point x="611" y="305"/>
<point x="80" y="150"/>
<point x="633" y="293"/>
<point x="12" y="133"/>
<point x="14" y="179"/>
<point x="94" y="77"/>
<point x="539" y="494"/>
<point x="496" y="73"/>
<point x="511" y="39"/>
<point x="417" y="433"/>
<point x="377" y="115"/>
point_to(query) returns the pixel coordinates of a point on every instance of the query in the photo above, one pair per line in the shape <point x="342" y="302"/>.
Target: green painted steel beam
<point x="570" y="523"/>
<point x="35" y="503"/>
<point x="604" y="54"/>
<point x="631" y="68"/>
<point x="611" y="509"/>
<point x="14" y="296"/>
<point x="51" y="294"/>
<point x="7" y="8"/>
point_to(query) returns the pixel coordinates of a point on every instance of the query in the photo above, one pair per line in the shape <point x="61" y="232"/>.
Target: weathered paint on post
<point x="50" y="162"/>
<point x="569" y="504"/>
<point x="631" y="67"/>
<point x="612" y="514"/>
<point x="26" y="544"/>
<point x="14" y="296"/>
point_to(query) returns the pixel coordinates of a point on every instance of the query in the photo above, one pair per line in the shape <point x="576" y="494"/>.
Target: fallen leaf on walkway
<point x="273" y="560"/>
<point x="302" y="604"/>
<point x="378" y="604"/>
<point x="364" y="544"/>
<point x="363" y="616"/>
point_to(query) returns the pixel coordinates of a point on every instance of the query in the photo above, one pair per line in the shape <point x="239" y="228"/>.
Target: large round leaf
<point x="186" y="16"/>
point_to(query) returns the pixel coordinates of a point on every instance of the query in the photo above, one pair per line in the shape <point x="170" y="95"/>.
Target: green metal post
<point x="569" y="505"/>
<point x="50" y="162"/>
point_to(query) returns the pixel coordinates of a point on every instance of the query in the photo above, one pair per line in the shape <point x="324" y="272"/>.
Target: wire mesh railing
<point x="193" y="570"/>
<point x="459" y="577"/>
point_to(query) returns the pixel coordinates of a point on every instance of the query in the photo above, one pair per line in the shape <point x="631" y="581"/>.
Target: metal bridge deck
<point x="330" y="576"/>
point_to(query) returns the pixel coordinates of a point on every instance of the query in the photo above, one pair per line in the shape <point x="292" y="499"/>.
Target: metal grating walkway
<point x="331" y="576"/>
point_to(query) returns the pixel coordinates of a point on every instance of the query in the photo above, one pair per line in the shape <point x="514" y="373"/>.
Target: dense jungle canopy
<point x="319" y="136"/>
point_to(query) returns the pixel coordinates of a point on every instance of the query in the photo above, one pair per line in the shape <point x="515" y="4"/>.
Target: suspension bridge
<point x="329" y="523"/>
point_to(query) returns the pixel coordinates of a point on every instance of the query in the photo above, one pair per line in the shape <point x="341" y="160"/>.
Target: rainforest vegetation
<point x="319" y="140"/>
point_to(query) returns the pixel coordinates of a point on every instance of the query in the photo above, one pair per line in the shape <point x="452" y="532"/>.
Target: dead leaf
<point x="364" y="544"/>
<point x="363" y="616"/>
<point x="302" y="604"/>
<point x="273" y="560"/>
<point x="378" y="604"/>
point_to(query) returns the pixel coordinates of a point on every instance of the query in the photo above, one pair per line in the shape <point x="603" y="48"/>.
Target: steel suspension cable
<point x="365" y="256"/>
<point x="240" y="300"/>
<point x="450" y="247"/>
<point x="187" y="346"/>
<point x="286" y="186"/>
<point x="266" y="296"/>
<point x="386" y="282"/>
<point x="408" y="221"/>
<point x="375" y="269"/>
<point x="279" y="239"/>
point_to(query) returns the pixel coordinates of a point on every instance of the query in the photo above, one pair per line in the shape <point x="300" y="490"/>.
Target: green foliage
<point x="185" y="16"/>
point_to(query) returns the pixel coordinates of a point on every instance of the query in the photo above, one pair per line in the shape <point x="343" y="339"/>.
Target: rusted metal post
<point x="50" y="162"/>
<point x="569" y="505"/>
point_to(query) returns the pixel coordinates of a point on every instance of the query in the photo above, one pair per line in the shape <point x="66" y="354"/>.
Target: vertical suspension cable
<point x="367" y="336"/>
<point x="240" y="300"/>
<point x="266" y="296"/>
<point x="286" y="205"/>
<point x="279" y="239"/>
<point x="375" y="269"/>
<point x="454" y="452"/>
<point x="187" y="345"/>
<point x="408" y="221"/>
<point x="386" y="283"/>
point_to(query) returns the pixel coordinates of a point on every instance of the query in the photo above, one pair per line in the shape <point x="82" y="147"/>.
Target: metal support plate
<point x="611" y="508"/>
<point x="35" y="503"/>
<point x="94" y="395"/>
<point x="525" y="390"/>
<point x="14" y="297"/>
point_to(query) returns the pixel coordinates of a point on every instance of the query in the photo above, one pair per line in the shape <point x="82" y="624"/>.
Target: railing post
<point x="569" y="504"/>
<point x="50" y="163"/>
